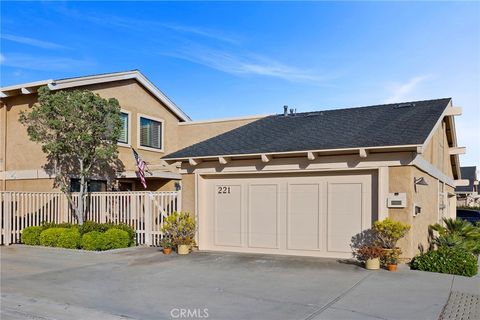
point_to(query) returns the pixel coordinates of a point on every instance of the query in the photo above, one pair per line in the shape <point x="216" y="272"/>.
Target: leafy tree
<point x="78" y="131"/>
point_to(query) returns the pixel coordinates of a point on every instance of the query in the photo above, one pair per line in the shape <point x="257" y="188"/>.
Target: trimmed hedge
<point x="89" y="236"/>
<point x="31" y="235"/>
<point x="451" y="260"/>
<point x="89" y="226"/>
<point x="116" y="238"/>
<point x="61" y="237"/>
<point x="93" y="240"/>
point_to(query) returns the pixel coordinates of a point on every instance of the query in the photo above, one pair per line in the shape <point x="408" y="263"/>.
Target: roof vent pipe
<point x="285" y="110"/>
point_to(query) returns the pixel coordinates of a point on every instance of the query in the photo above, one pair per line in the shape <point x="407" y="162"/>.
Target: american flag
<point x="141" y="168"/>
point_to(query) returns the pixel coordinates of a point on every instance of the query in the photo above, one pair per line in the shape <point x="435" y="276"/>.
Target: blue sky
<point x="231" y="59"/>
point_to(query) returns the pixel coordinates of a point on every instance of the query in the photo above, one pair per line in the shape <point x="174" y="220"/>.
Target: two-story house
<point x="290" y="183"/>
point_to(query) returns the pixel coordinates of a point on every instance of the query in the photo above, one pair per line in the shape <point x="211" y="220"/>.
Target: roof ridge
<point x="364" y="107"/>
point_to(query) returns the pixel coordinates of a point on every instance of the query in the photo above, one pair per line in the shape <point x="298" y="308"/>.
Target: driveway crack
<point x="338" y="298"/>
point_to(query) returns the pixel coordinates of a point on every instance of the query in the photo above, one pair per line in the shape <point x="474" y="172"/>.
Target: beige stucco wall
<point x="23" y="154"/>
<point x="401" y="180"/>
<point x="437" y="151"/>
<point x="31" y="185"/>
<point x="131" y="96"/>
<point x="188" y="193"/>
<point x="191" y="133"/>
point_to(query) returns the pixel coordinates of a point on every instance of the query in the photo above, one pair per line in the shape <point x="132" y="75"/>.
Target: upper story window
<point x="151" y="133"/>
<point x="124" y="133"/>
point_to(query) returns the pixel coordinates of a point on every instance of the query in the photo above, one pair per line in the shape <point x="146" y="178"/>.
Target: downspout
<point x="4" y="151"/>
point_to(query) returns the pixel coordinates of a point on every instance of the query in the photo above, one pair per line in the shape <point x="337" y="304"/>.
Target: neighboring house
<point x="467" y="196"/>
<point x="300" y="184"/>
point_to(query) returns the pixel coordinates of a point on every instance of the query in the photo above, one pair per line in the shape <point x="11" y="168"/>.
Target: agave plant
<point x="457" y="233"/>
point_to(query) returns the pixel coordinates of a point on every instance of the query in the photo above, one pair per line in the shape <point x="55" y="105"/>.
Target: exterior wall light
<point x="419" y="181"/>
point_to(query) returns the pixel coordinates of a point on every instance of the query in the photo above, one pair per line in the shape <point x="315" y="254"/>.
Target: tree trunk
<point x="81" y="196"/>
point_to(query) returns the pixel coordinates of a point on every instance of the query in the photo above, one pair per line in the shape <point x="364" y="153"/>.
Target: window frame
<point x="129" y="130"/>
<point x="162" y="133"/>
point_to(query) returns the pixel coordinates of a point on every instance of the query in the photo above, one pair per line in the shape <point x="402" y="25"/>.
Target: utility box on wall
<point x="397" y="200"/>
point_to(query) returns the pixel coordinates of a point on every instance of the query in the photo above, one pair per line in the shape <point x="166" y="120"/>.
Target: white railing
<point x="144" y="211"/>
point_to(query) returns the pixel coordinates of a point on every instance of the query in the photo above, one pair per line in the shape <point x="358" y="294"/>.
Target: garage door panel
<point x="303" y="216"/>
<point x="228" y="215"/>
<point x="309" y="215"/>
<point x="263" y="216"/>
<point x="344" y="215"/>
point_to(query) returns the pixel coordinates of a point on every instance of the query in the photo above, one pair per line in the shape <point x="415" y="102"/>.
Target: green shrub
<point x="49" y="237"/>
<point x="116" y="238"/>
<point x="457" y="233"/>
<point x="93" y="240"/>
<point x="127" y="228"/>
<point x="389" y="232"/>
<point x="60" y="237"/>
<point x="69" y="239"/>
<point x="89" y="226"/>
<point x="451" y="260"/>
<point x="180" y="227"/>
<point x="31" y="235"/>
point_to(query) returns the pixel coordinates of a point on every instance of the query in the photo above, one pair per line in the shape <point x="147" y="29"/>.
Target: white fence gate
<point x="144" y="211"/>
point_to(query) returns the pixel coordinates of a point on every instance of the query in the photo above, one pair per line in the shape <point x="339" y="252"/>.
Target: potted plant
<point x="166" y="244"/>
<point x="181" y="227"/>
<point x="371" y="255"/>
<point x="391" y="258"/>
<point x="388" y="232"/>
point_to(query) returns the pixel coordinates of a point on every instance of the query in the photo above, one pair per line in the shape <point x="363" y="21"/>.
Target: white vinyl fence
<point x="144" y="211"/>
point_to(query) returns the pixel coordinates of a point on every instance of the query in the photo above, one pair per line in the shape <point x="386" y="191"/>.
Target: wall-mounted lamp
<point x="178" y="186"/>
<point x="419" y="181"/>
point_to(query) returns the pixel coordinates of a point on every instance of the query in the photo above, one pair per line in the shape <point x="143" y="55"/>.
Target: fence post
<point x="64" y="214"/>
<point x="148" y="219"/>
<point x="179" y="199"/>
<point x="7" y="218"/>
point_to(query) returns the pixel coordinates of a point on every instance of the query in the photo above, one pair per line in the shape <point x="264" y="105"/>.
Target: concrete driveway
<point x="142" y="283"/>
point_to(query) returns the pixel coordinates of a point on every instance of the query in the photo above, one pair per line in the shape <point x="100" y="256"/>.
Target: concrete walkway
<point x="142" y="283"/>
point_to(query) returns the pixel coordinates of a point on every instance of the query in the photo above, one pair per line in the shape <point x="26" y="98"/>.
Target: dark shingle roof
<point x="380" y="125"/>
<point x="470" y="174"/>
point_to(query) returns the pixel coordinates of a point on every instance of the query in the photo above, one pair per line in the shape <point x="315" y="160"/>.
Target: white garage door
<point x="311" y="215"/>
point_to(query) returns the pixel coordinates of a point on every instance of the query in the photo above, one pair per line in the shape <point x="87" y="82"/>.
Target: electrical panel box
<point x="397" y="200"/>
<point x="416" y="210"/>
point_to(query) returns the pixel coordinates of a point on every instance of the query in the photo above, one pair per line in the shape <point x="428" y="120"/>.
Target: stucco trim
<point x="189" y="123"/>
<point x="355" y="150"/>
<point x="338" y="162"/>
<point x="426" y="166"/>
<point x="42" y="174"/>
<point x="95" y="79"/>
<point x="448" y="113"/>
<point x="150" y="174"/>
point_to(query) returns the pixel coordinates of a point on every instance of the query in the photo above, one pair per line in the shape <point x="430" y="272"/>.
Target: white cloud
<point x="45" y="63"/>
<point x="2" y="58"/>
<point x="207" y="33"/>
<point x="244" y="64"/>
<point x="405" y="91"/>
<point x="32" y="42"/>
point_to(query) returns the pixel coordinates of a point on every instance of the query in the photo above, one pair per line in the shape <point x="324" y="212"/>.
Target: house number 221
<point x="223" y="190"/>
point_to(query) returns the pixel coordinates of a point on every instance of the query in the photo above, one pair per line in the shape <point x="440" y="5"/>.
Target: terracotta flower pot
<point x="392" y="267"/>
<point x="183" y="249"/>
<point x="167" y="250"/>
<point x="372" y="264"/>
